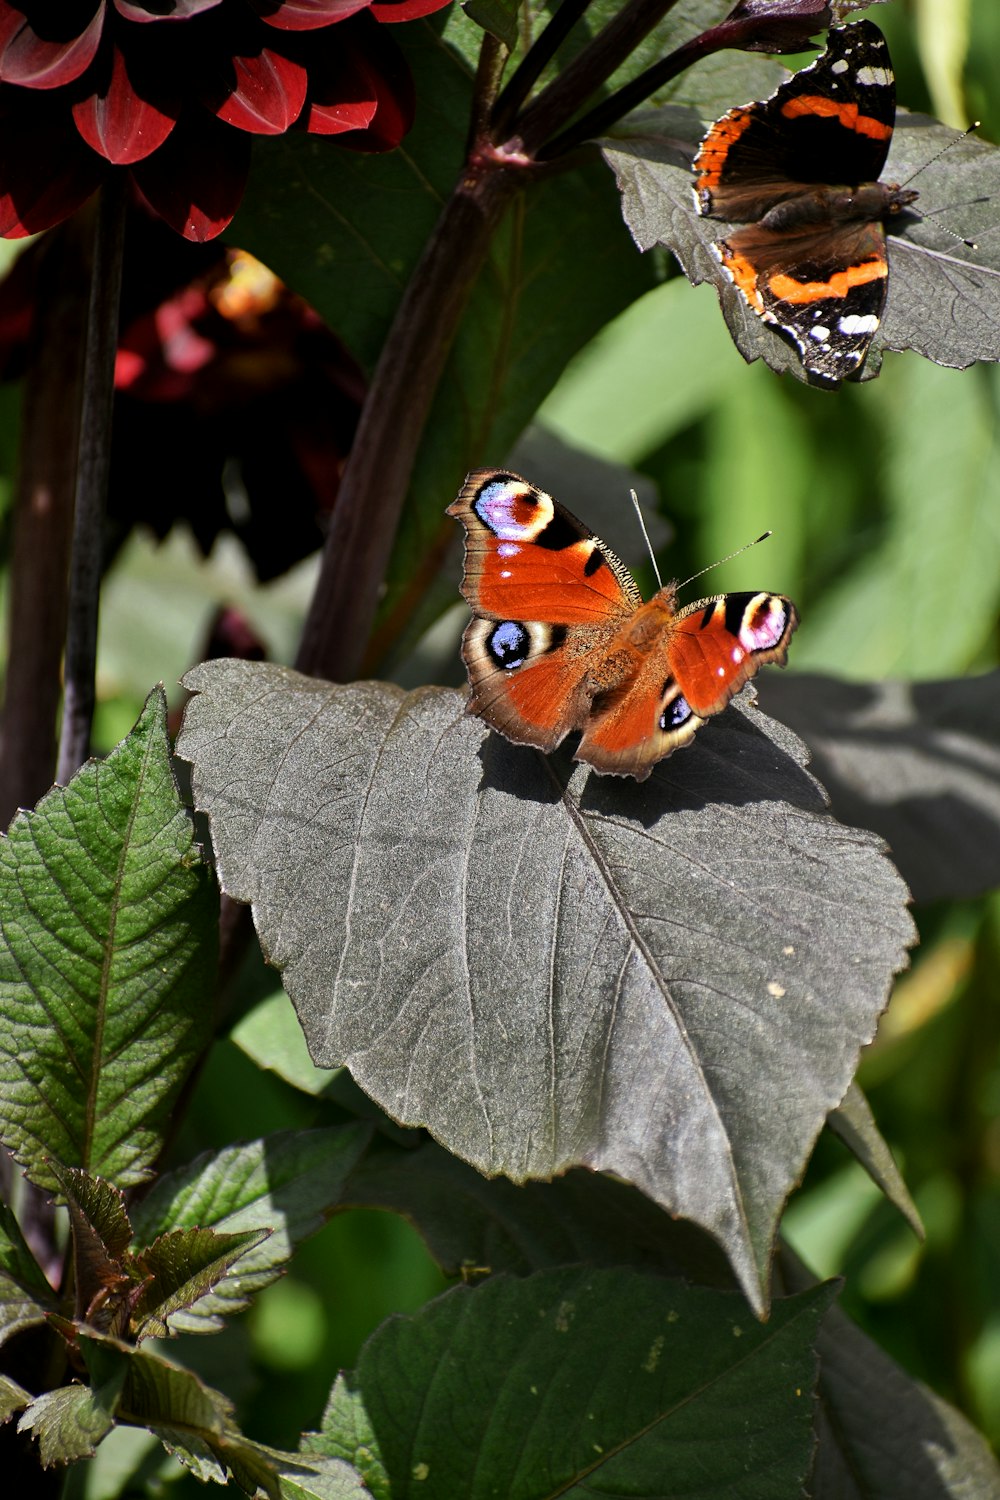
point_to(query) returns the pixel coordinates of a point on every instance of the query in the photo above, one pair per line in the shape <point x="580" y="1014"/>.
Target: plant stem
<point x="493" y="57"/>
<point x="92" y="478"/>
<point x="43" y="516"/>
<point x="537" y="58"/>
<point x="730" y="33"/>
<point x="588" y="71"/>
<point x="392" y="422"/>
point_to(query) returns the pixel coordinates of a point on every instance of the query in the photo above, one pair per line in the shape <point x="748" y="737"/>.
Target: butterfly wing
<point x="801" y="169"/>
<point x="826" y="291"/>
<point x="702" y="657"/>
<point x="842" y="107"/>
<point x="716" y="645"/>
<point x="548" y="598"/>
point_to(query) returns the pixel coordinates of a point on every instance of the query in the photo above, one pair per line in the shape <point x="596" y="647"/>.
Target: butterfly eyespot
<point x="763" y="625"/>
<point x="508" y="644"/>
<point x="676" y="713"/>
<point x="508" y="508"/>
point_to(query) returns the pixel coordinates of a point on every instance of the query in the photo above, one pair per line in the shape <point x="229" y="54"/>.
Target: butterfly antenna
<point x="918" y="213"/>
<point x="645" y="535"/>
<point x="955" y="141"/>
<point x="948" y="208"/>
<point x="728" y="558"/>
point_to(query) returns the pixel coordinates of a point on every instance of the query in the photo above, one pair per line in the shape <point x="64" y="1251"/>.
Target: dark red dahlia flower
<point x="173" y="90"/>
<point x="234" y="407"/>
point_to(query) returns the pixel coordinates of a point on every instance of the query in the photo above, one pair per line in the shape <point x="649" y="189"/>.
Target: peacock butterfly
<point x="560" y="638"/>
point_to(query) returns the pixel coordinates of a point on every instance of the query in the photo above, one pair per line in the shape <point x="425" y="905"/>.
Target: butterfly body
<point x="801" y="170"/>
<point x="561" y="639"/>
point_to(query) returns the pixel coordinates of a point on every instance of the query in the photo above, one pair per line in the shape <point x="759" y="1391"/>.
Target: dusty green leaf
<point x="108" y="932"/>
<point x="288" y="1183"/>
<point x="614" y="1382"/>
<point x="854" y="1123"/>
<point x="550" y="968"/>
<point x="186" y="1266"/>
<point x="68" y="1423"/>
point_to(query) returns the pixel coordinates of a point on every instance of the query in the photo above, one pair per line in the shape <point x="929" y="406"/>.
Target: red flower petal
<point x="268" y="94"/>
<point x="52" y="59"/>
<point x="163" y="10"/>
<point x="361" y="66"/>
<point x="405" y="10"/>
<point x="116" y="122"/>
<point x="306" y="15"/>
<point x="46" y="171"/>
<point x="196" y="179"/>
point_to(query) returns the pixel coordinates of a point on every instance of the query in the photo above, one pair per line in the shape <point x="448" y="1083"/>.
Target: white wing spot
<point x="856" y="324"/>
<point x="878" y="78"/>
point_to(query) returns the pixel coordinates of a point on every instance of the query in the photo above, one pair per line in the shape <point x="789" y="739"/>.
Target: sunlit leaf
<point x="550" y="968"/>
<point x="286" y="1183"/>
<point x="107" y="961"/>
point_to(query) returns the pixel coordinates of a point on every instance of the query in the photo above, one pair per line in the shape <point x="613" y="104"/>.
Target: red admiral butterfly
<point x="801" y="169"/>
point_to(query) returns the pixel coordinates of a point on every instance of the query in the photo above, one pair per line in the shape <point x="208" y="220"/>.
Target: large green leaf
<point x="108" y="923"/>
<point x="875" y="1417"/>
<point x="580" y="1382"/>
<point x="550" y="968"/>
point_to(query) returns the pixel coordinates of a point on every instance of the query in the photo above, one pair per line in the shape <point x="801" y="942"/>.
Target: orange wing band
<point x="848" y="114"/>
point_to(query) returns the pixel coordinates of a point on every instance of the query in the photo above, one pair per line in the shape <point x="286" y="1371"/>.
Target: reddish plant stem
<point x="592" y="67"/>
<point x="43" y="519"/>
<point x="493" y="57"/>
<point x="392" y="423"/>
<point x="774" y="35"/>
<point x="92" y="478"/>
<point x="536" y="59"/>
